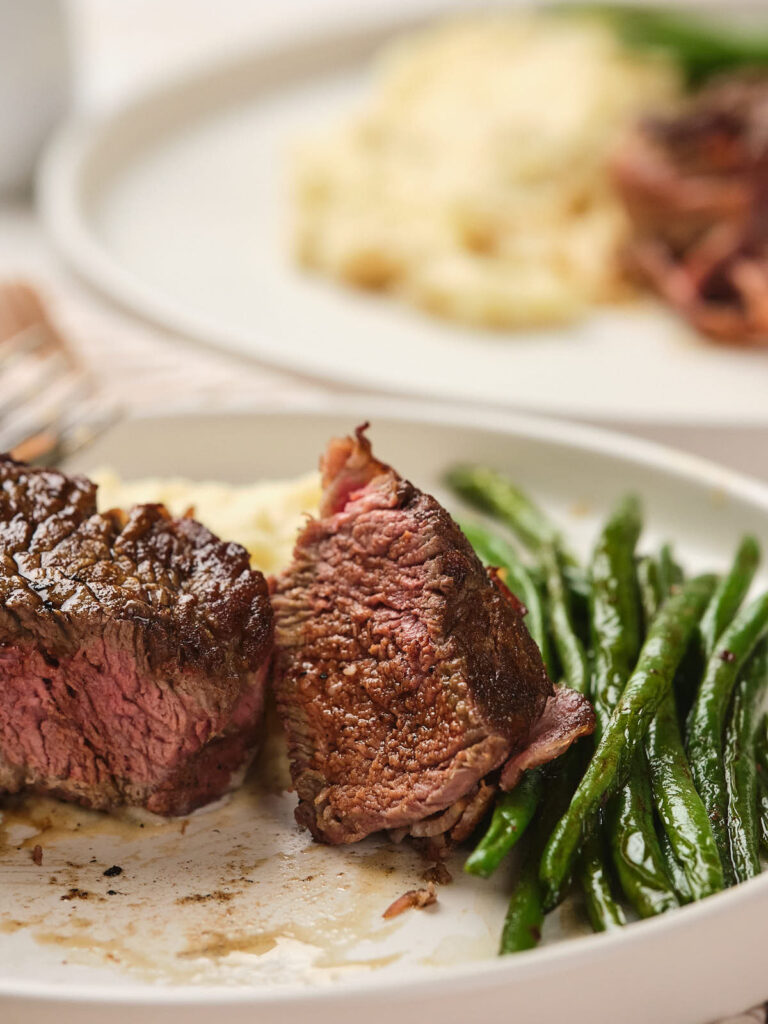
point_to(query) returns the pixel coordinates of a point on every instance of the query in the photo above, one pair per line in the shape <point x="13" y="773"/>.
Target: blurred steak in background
<point x="695" y="185"/>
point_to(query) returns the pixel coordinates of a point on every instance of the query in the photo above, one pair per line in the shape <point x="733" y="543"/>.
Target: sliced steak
<point x="404" y="673"/>
<point x="133" y="649"/>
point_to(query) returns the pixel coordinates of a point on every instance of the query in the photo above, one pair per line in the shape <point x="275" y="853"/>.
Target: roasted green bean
<point x="762" y="809"/>
<point x="761" y="751"/>
<point x="706" y="723"/>
<point x="662" y="652"/>
<point x="614" y="609"/>
<point x="635" y="849"/>
<point x="700" y="47"/>
<point x="675" y="870"/>
<point x="649" y="589"/>
<point x="688" y="845"/>
<point x="492" y="492"/>
<point x="616" y="627"/>
<point x="741" y="768"/>
<point x="525" y="911"/>
<point x="680" y="808"/>
<point x="511" y="816"/>
<point x="570" y="649"/>
<point x="605" y="912"/>
<point x="669" y="572"/>
<point x="731" y="591"/>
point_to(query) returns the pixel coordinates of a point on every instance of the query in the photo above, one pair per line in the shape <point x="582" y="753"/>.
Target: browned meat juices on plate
<point x="404" y="673"/>
<point x="133" y="650"/>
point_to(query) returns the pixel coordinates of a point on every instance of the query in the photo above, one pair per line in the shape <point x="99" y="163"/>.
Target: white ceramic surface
<point x="176" y="206"/>
<point x="34" y="83"/>
<point x="253" y="921"/>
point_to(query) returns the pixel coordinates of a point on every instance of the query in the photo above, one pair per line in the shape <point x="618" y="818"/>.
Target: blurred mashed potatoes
<point x="263" y="517"/>
<point x="473" y="180"/>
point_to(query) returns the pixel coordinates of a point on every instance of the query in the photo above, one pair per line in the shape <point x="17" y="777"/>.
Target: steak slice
<point x="404" y="673"/>
<point x="133" y="649"/>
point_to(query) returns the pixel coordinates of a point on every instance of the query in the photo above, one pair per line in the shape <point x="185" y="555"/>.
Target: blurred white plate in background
<point x="240" y="917"/>
<point x="176" y="206"/>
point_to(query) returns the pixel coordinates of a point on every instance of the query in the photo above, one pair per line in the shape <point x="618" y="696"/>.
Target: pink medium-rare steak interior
<point x="404" y="673"/>
<point x="133" y="650"/>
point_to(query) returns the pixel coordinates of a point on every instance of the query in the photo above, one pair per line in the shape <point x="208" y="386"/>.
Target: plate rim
<point x="465" y="977"/>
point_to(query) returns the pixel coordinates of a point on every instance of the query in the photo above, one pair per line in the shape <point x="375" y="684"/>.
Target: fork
<point x="49" y="401"/>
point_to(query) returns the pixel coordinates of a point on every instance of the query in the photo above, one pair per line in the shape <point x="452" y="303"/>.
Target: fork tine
<point x="59" y="440"/>
<point x="19" y="346"/>
<point x="47" y="410"/>
<point x="21" y="308"/>
<point x="17" y="309"/>
<point x="47" y="397"/>
<point x="25" y="379"/>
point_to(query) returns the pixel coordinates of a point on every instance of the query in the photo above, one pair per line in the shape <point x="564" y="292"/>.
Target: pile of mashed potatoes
<point x="473" y="182"/>
<point x="264" y="517"/>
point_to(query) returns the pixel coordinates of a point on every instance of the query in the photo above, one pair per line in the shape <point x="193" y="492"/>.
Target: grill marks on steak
<point x="404" y="673"/>
<point x="133" y="649"/>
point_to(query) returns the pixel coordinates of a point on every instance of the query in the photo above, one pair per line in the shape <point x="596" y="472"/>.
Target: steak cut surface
<point x="404" y="673"/>
<point x="133" y="649"/>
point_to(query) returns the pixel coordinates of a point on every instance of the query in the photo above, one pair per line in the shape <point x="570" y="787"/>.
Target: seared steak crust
<point x="132" y="649"/>
<point x="404" y="673"/>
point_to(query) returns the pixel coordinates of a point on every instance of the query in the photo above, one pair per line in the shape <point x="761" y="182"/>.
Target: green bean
<point x="525" y="912"/>
<point x="650" y="591"/>
<point x="675" y="870"/>
<point x="761" y="752"/>
<point x="614" y="608"/>
<point x="494" y="550"/>
<point x="762" y="809"/>
<point x="692" y="858"/>
<point x="605" y="913"/>
<point x="608" y="770"/>
<point x="681" y="810"/>
<point x="741" y="769"/>
<point x="570" y="649"/>
<point x="669" y="572"/>
<point x="650" y="599"/>
<point x="493" y="493"/>
<point x="651" y="596"/>
<point x="615" y="620"/>
<point x="511" y="816"/>
<point x="698" y="46"/>
<point x="761" y="745"/>
<point x="730" y="592"/>
<point x="635" y="846"/>
<point x="576" y="580"/>
<point x="706" y="722"/>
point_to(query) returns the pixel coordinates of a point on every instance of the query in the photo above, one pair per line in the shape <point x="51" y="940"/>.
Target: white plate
<point x="244" y="916"/>
<point x="176" y="207"/>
